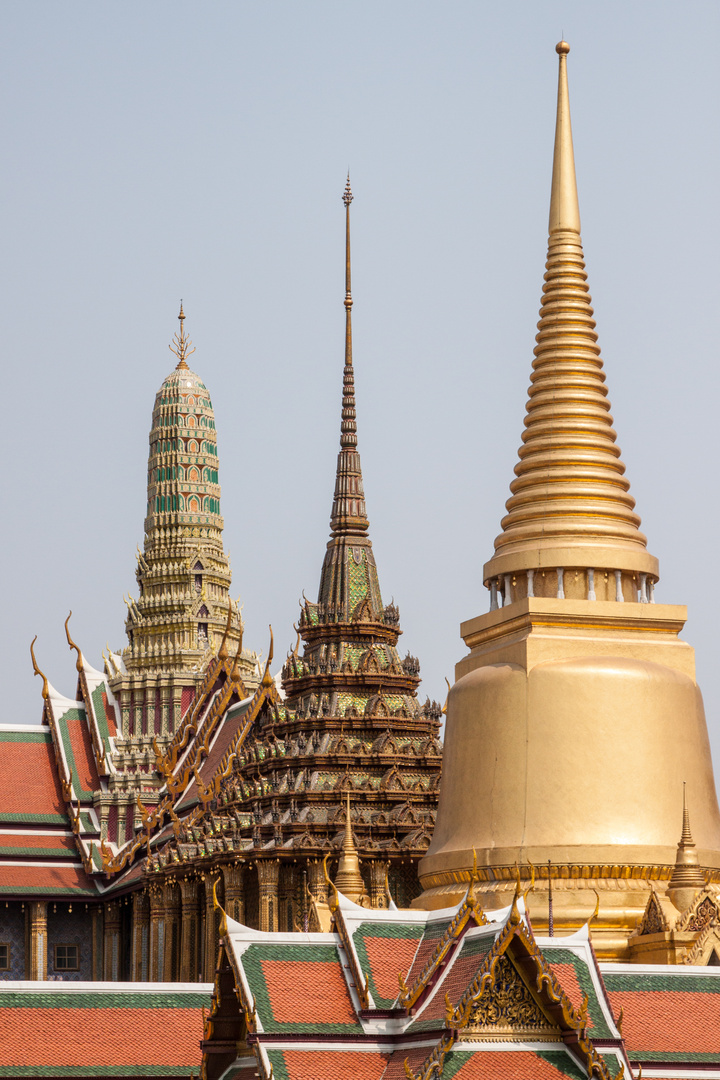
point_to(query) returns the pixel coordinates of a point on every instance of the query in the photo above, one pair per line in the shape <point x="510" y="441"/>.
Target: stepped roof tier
<point x="575" y="675"/>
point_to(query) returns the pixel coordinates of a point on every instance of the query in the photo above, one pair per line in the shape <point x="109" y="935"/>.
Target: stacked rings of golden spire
<point x="570" y="479"/>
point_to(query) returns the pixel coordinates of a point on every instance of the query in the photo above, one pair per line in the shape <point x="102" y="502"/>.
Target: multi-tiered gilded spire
<point x="349" y="690"/>
<point x="570" y="508"/>
<point x="183" y="573"/>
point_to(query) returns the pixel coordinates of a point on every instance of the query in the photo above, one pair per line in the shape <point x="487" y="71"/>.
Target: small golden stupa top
<point x="180" y="344"/>
<point x="348" y="879"/>
<point x="687" y="873"/>
<point x="570" y="506"/>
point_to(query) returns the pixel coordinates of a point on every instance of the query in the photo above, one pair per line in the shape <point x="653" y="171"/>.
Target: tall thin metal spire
<point x="348" y="512"/>
<point x="348" y="429"/>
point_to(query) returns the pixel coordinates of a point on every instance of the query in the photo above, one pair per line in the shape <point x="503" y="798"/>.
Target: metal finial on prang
<point x="347" y="194"/>
<point x="181" y="344"/>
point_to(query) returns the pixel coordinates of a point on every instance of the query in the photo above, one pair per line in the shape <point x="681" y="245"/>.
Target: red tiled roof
<point x="222" y="741"/>
<point x="669" y="1021"/>
<point x="109" y="714"/>
<point x="29" y="780"/>
<point x="333" y="1064"/>
<point x="307" y="992"/>
<point x="389" y="957"/>
<point x="510" y="1065"/>
<point x="32" y="840"/>
<point x="567" y="977"/>
<point x="100" y="1037"/>
<point x="84" y="769"/>
<point x="425" y="950"/>
<point x="37" y="878"/>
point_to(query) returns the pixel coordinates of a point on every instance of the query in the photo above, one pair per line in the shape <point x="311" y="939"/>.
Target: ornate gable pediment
<point x="702" y="913"/>
<point x="508" y="1009"/>
<point x="653" y="920"/>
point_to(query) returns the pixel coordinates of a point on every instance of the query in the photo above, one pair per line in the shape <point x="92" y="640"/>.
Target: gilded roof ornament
<point x="71" y="643"/>
<point x="181" y="344"/>
<point x="36" y="669"/>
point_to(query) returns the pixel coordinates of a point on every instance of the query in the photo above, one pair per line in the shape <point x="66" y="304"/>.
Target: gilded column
<point x="268" y="874"/>
<point x="189" y="938"/>
<point x="37" y="953"/>
<point x="316" y="882"/>
<point x="140" y="936"/>
<point x="112" y="942"/>
<point x="234" y="895"/>
<point x="287" y="897"/>
<point x="378" y="875"/>
<point x="171" y="964"/>
<point x="157" y="933"/>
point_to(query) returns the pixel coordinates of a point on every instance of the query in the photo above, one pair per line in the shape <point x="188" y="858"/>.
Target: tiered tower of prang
<point x="353" y="701"/>
<point x="575" y="717"/>
<point x="183" y="574"/>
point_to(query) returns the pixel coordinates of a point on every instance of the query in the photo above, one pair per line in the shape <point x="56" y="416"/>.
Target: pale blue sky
<point x="167" y="150"/>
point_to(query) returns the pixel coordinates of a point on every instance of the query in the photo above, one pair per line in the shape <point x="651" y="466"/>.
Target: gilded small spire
<point x="348" y="879"/>
<point x="180" y="344"/>
<point x="687" y="874"/>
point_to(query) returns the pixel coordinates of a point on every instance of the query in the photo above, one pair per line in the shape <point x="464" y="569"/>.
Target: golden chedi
<point x="576" y="717"/>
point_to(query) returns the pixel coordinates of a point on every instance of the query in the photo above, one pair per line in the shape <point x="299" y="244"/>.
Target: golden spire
<point x="564" y="207"/>
<point x="348" y="879"/>
<point x="570" y="505"/>
<point x="687" y="873"/>
<point x="180" y="344"/>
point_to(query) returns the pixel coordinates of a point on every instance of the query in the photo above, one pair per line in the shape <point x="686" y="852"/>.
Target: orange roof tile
<point x="331" y="1064"/>
<point x="28" y="776"/>
<point x="33" y="878"/>
<point x="567" y="977"/>
<point x="100" y="1037"/>
<point x="307" y="992"/>
<point x="669" y="1021"/>
<point x="389" y="957"/>
<point x="32" y="840"/>
<point x="513" y="1065"/>
<point x="84" y="770"/>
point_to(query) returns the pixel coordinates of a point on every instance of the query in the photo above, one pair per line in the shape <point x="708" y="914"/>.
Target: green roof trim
<point x="60" y="999"/>
<point x="26" y="736"/>
<point x="40" y="852"/>
<point x="35" y="1071"/>
<point x="637" y="984"/>
<point x="99" y="710"/>
<point x="36" y="819"/>
<point x="81" y="794"/>
<point x="48" y="890"/>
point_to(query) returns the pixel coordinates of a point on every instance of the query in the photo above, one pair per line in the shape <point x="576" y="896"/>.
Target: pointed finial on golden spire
<point x="180" y="344"/>
<point x="564" y="206"/>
